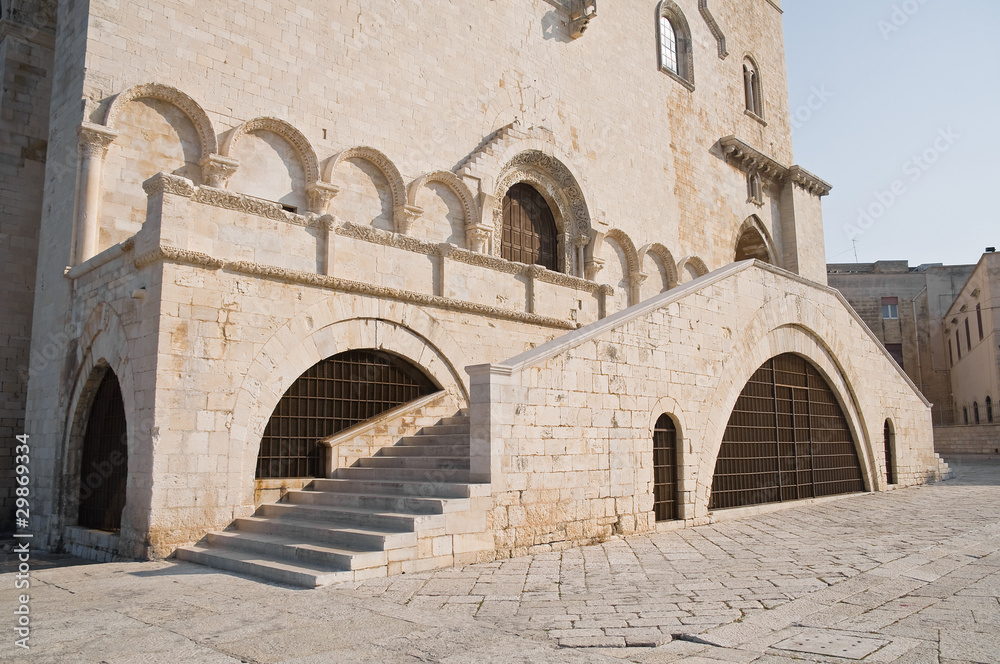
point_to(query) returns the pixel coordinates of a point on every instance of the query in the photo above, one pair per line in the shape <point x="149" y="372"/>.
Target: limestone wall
<point x="958" y="440"/>
<point x="564" y="432"/>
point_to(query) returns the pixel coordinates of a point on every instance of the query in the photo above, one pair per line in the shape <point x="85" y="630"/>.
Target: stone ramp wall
<point x="972" y="439"/>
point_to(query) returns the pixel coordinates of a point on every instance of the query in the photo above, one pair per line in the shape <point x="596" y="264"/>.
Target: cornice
<point x="750" y="159"/>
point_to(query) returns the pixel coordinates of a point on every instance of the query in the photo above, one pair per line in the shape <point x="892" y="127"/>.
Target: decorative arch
<point x="665" y="257"/>
<point x="453" y="182"/>
<point x="753" y="241"/>
<point x="171" y="95"/>
<point x="753" y="87"/>
<point x="297" y="139"/>
<point x="559" y="188"/>
<point x="634" y="274"/>
<point x="694" y="264"/>
<point x="382" y="162"/>
<point x="683" y="69"/>
<point x="321" y="331"/>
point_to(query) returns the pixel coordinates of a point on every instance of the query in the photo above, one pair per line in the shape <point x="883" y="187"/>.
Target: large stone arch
<point x="780" y="327"/>
<point x="104" y="344"/>
<point x="171" y="95"/>
<point x="319" y="332"/>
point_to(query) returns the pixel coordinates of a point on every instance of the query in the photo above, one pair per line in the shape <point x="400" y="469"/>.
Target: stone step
<point x="455" y="419"/>
<point x="445" y="430"/>
<point x="435" y="439"/>
<point x="349" y="536"/>
<point x="394" y="487"/>
<point x="432" y="475"/>
<point x="426" y="451"/>
<point x="339" y="516"/>
<point x="263" y="566"/>
<point x="298" y="550"/>
<point x="423" y="461"/>
<point x="379" y="502"/>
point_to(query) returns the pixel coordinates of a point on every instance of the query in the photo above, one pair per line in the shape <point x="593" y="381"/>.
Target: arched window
<point x="665" y="469"/>
<point x="755" y="190"/>
<point x="674" y="39"/>
<point x="975" y="411"/>
<point x="751" y="88"/>
<point x="989" y="410"/>
<point x="787" y="439"/>
<point x="890" y="444"/>
<point x="331" y="396"/>
<point x="965" y="414"/>
<point x="529" y="230"/>
<point x="104" y="466"/>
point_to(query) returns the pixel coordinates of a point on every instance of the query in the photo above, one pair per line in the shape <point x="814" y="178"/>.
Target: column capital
<point x="95" y="139"/>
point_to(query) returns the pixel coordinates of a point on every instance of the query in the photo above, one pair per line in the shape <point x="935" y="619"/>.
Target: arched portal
<point x="665" y="469"/>
<point x="333" y="395"/>
<point x="104" y="466"/>
<point x="787" y="439"/>
<point x="752" y="244"/>
<point x="529" y="230"/>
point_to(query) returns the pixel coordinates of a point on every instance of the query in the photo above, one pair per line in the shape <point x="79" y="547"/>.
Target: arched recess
<point x="786" y="439"/>
<point x="321" y="331"/>
<point x="159" y="129"/>
<point x="670" y="407"/>
<point x="553" y="181"/>
<point x="657" y="262"/>
<point x="621" y="270"/>
<point x="769" y="334"/>
<point x="470" y="211"/>
<point x="690" y="268"/>
<point x="104" y="346"/>
<point x="753" y="241"/>
<point x="276" y="162"/>
<point x="889" y="441"/>
<point x="373" y="193"/>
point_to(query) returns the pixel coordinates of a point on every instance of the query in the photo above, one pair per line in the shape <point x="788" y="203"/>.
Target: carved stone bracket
<point x="164" y="183"/>
<point x="750" y="160"/>
<point x="583" y="13"/>
<point x="320" y="194"/>
<point x="95" y="139"/>
<point x="216" y="170"/>
<point x="404" y="216"/>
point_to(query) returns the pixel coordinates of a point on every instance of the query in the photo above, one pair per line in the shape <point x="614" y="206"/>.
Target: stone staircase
<point x="409" y="508"/>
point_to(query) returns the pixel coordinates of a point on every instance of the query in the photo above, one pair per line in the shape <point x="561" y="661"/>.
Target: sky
<point x="896" y="103"/>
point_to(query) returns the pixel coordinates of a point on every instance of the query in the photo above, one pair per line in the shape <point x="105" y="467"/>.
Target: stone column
<point x="94" y="143"/>
<point x="216" y="170"/>
<point x="403" y="217"/>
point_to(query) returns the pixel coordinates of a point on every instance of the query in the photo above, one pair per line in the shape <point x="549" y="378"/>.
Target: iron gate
<point x="665" y="469"/>
<point x="104" y="466"/>
<point x="333" y="395"/>
<point x="890" y="470"/>
<point x="787" y="439"/>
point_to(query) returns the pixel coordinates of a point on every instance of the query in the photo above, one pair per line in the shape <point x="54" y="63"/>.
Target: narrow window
<point x="965" y="414"/>
<point x="752" y="89"/>
<point x="755" y="190"/>
<point x="975" y="411"/>
<point x="890" y="471"/>
<point x="890" y="308"/>
<point x="979" y="319"/>
<point x="968" y="336"/>
<point x="951" y="353"/>
<point x="668" y="45"/>
<point x="896" y="350"/>
<point x="989" y="410"/>
<point x="958" y="345"/>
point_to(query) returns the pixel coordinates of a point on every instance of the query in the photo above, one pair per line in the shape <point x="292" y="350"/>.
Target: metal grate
<point x="787" y="439"/>
<point x="529" y="231"/>
<point x="890" y="471"/>
<point x="665" y="469"/>
<point x="104" y="466"/>
<point x="333" y="395"/>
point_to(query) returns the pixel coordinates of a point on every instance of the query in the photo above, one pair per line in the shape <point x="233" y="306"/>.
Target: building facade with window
<point x="905" y="307"/>
<point x="333" y="290"/>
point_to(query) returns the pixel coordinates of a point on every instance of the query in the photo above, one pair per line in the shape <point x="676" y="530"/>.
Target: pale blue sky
<point x="899" y="79"/>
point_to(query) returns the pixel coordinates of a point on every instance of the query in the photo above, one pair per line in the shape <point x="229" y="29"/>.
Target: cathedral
<point x="319" y="291"/>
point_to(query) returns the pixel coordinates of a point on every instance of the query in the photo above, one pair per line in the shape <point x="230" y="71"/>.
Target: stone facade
<point x="260" y="186"/>
<point x="915" y="334"/>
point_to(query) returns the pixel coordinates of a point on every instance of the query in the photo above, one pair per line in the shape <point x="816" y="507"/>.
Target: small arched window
<point x="529" y="230"/>
<point x="965" y="414"/>
<point x="752" y="89"/>
<point x="890" y="444"/>
<point x="975" y="411"/>
<point x="665" y="469"/>
<point x="989" y="410"/>
<point x="755" y="189"/>
<point x="674" y="39"/>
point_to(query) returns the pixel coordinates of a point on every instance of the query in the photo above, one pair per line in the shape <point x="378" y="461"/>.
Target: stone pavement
<point x="908" y="576"/>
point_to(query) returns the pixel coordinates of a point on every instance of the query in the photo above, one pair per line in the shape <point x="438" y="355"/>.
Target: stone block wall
<point x="959" y="440"/>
